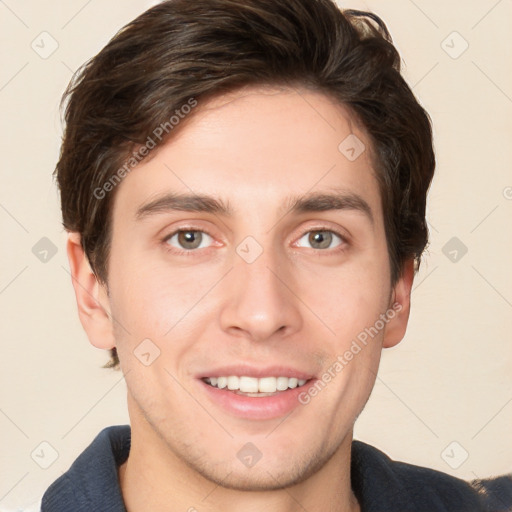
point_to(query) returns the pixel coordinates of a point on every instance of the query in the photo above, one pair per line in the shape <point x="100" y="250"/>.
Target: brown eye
<point x="188" y="239"/>
<point x="322" y="239"/>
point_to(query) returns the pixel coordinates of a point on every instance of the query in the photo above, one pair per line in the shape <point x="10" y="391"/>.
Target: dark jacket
<point x="380" y="484"/>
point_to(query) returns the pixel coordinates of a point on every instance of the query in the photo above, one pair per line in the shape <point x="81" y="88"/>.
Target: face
<point x="263" y="282"/>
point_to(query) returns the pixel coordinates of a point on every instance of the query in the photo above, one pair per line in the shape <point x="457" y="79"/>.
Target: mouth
<point x="256" y="397"/>
<point x="253" y="386"/>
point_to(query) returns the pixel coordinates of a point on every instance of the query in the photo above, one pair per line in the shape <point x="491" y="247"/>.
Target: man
<point x="244" y="187"/>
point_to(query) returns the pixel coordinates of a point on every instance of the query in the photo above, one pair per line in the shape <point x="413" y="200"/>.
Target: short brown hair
<point x="182" y="49"/>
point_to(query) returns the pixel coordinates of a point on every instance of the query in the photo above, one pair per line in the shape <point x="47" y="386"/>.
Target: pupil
<point x="190" y="239"/>
<point x="322" y="238"/>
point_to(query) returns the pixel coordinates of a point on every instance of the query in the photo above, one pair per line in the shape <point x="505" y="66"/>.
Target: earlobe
<point x="401" y="305"/>
<point x="91" y="296"/>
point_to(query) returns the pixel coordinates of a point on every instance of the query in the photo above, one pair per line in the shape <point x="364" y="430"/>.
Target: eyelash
<point x="191" y="252"/>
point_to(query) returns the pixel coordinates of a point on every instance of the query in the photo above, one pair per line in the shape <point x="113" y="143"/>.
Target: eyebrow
<point x="184" y="202"/>
<point x="310" y="202"/>
<point x="321" y="202"/>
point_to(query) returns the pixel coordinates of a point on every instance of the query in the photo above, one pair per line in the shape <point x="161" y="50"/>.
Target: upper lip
<point x="257" y="372"/>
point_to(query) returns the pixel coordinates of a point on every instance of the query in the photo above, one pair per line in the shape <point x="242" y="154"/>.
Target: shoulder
<point x="496" y="492"/>
<point x="409" y="487"/>
<point x="91" y="483"/>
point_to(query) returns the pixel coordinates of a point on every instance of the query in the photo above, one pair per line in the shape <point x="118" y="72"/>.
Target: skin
<point x="298" y="304"/>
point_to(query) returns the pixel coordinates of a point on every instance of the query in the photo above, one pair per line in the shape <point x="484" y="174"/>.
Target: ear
<point x="401" y="304"/>
<point x="91" y="296"/>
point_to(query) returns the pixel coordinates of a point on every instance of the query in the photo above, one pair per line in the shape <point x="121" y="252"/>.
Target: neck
<point x="154" y="478"/>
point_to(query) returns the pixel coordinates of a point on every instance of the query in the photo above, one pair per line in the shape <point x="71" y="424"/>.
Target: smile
<point x="255" y="386"/>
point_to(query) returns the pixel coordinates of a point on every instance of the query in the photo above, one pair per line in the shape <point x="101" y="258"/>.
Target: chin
<point x="252" y="480"/>
<point x="264" y="475"/>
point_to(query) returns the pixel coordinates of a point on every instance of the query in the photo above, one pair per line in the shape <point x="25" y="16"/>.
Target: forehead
<point x="256" y="146"/>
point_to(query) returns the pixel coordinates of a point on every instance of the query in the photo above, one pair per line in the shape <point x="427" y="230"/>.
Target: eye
<point x="188" y="239"/>
<point x="322" y="239"/>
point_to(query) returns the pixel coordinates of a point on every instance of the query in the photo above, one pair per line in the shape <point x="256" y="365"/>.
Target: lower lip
<point x="257" y="408"/>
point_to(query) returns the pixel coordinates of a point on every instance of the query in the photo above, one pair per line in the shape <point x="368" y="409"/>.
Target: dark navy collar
<point x="379" y="483"/>
<point x="92" y="482"/>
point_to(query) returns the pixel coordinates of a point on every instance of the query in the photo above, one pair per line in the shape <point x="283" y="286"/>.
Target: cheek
<point x="155" y="297"/>
<point x="169" y="306"/>
<point x="352" y="299"/>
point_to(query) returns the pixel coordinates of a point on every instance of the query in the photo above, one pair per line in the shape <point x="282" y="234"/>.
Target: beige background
<point x="449" y="380"/>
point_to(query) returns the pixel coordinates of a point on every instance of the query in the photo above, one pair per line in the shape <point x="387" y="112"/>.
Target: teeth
<point x="233" y="383"/>
<point x="253" y="385"/>
<point x="248" y="385"/>
<point x="266" y="385"/>
<point x="282" y="383"/>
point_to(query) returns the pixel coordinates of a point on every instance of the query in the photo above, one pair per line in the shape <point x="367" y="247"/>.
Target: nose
<point x="260" y="302"/>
